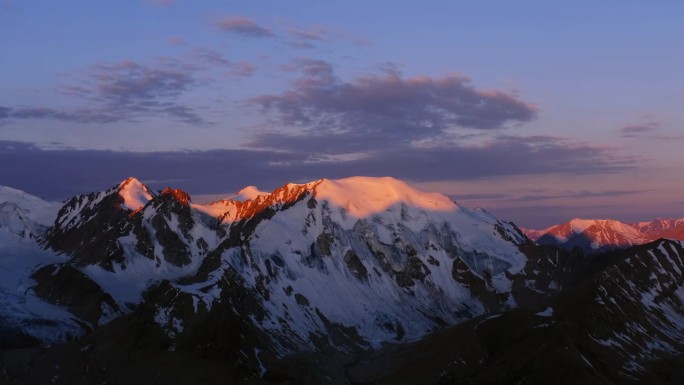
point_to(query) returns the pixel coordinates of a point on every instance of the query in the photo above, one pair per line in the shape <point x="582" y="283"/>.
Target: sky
<point x="537" y="111"/>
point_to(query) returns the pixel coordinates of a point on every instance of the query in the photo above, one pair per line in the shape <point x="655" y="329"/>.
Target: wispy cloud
<point x="481" y="196"/>
<point x="648" y="127"/>
<point x="317" y="34"/>
<point x="544" y="194"/>
<point x="293" y="36"/>
<point x="129" y="89"/>
<point x="302" y="38"/>
<point x="578" y="195"/>
<point x="307" y="39"/>
<point x="82" y="115"/>
<point x="634" y="130"/>
<point x="651" y="129"/>
<point x="128" y="82"/>
<point x="205" y="57"/>
<point x="301" y="44"/>
<point x="381" y="109"/>
<point x="243" y="26"/>
<point x="123" y="91"/>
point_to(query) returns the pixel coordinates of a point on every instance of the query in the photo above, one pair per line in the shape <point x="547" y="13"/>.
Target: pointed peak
<point x="177" y="194"/>
<point x="134" y="193"/>
<point x="130" y="181"/>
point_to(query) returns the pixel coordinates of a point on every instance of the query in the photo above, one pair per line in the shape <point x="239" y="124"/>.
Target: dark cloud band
<point x="58" y="174"/>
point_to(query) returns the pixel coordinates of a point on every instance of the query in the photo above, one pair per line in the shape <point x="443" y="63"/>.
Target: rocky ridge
<point x="261" y="287"/>
<point x="598" y="235"/>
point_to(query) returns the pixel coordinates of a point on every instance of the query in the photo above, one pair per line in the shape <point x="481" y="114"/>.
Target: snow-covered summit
<point x="579" y="226"/>
<point x="134" y="193"/>
<point x="413" y="256"/>
<point x="364" y="196"/>
<point x="15" y="220"/>
<point x="603" y="234"/>
<point x="35" y="208"/>
<point x="23" y="214"/>
<point x="360" y="197"/>
<point x="671" y="228"/>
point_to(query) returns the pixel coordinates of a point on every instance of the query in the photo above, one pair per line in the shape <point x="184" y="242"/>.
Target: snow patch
<point x="548" y="312"/>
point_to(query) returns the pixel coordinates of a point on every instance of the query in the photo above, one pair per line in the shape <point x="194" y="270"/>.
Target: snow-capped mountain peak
<point x="602" y="234"/>
<point x="178" y="195"/>
<point x="411" y="255"/>
<point x="15" y="220"/>
<point x="662" y="228"/>
<point x="135" y="194"/>
<point x="37" y="210"/>
<point x="364" y="196"/>
<point x="329" y="265"/>
<point x="359" y="197"/>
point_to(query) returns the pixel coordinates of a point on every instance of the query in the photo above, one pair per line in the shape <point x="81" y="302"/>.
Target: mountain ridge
<point x="329" y="268"/>
<point x="596" y="235"/>
<point x="126" y="238"/>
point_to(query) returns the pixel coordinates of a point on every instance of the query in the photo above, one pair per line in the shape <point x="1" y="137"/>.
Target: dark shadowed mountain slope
<point x="624" y="324"/>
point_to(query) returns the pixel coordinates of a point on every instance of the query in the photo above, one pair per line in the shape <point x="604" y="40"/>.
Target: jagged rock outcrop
<point x="66" y="286"/>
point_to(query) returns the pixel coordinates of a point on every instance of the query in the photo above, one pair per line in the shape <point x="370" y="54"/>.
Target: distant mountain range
<point x="357" y="280"/>
<point x="596" y="235"/>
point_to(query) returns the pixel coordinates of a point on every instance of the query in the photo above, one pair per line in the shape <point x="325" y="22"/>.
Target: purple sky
<point x="537" y="112"/>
